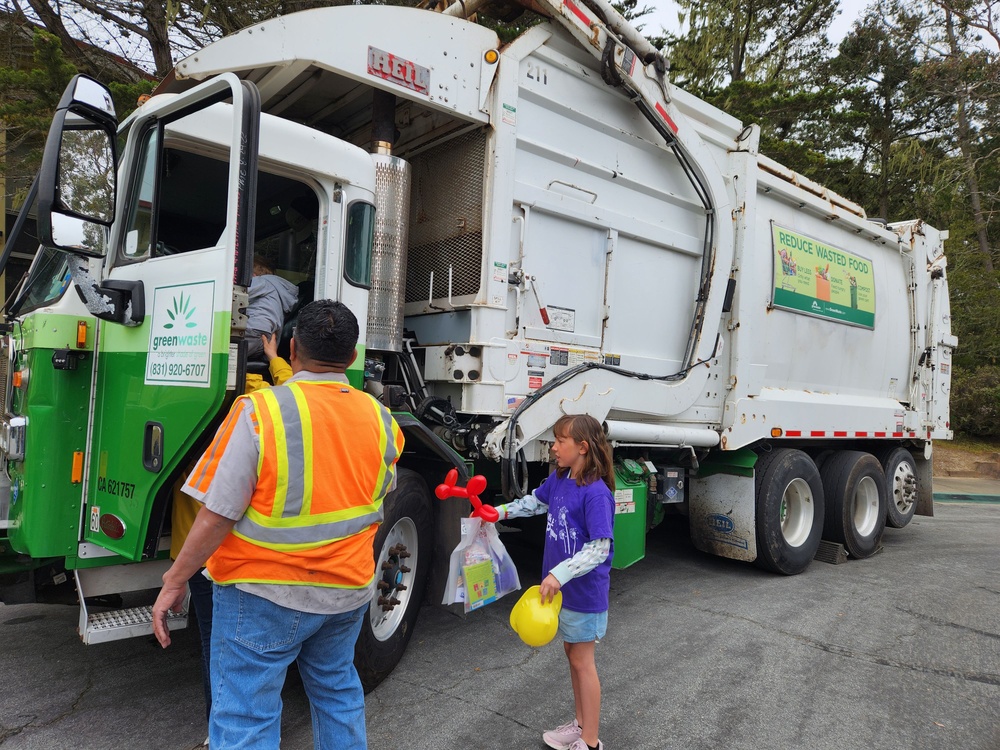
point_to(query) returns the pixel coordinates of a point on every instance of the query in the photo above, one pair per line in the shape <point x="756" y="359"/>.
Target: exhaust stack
<point x="392" y="214"/>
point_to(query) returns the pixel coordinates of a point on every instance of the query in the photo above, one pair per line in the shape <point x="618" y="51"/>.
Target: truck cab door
<point x="179" y="253"/>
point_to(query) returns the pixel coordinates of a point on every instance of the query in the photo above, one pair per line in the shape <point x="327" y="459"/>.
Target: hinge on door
<point x="241" y="300"/>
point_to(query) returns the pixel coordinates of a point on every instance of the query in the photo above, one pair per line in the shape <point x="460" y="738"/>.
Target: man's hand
<point x="270" y="343"/>
<point x="207" y="533"/>
<point x="550" y="586"/>
<point x="171" y="598"/>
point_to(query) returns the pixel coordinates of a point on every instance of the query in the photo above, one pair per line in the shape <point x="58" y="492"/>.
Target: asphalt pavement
<point x="897" y="652"/>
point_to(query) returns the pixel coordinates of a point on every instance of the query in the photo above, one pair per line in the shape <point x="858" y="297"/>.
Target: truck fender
<point x="428" y="455"/>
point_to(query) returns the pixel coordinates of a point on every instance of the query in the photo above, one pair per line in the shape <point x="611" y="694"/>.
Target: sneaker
<point x="564" y="737"/>
<point x="581" y="745"/>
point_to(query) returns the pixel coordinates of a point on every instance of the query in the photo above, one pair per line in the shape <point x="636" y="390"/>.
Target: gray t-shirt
<point x="229" y="495"/>
<point x="271" y="299"/>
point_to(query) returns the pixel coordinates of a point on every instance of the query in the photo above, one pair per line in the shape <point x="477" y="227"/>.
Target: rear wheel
<point x="403" y="547"/>
<point x="789" y="510"/>
<point x="900" y="486"/>
<point x="854" y="487"/>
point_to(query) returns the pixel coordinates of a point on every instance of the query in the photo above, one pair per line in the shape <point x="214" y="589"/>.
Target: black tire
<point x="820" y="458"/>
<point x="900" y="485"/>
<point x="789" y="510"/>
<point x="384" y="634"/>
<point x="854" y="487"/>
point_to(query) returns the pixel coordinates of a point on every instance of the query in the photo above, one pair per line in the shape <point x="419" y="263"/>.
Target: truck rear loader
<point x="523" y="230"/>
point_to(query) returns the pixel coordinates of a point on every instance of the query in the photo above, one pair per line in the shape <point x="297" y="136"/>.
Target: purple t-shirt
<point x="577" y="515"/>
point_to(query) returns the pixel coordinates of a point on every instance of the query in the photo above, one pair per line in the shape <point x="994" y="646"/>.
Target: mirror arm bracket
<point x="117" y="300"/>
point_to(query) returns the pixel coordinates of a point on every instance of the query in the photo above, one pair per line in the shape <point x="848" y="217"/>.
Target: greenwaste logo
<point x="181" y="313"/>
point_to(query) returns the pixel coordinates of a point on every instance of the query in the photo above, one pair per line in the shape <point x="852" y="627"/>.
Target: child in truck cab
<point x="271" y="299"/>
<point x="577" y="560"/>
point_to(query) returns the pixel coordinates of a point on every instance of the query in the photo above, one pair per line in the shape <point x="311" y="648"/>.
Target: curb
<point x="961" y="497"/>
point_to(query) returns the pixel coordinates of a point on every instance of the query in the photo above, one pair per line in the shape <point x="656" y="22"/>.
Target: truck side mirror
<point x="76" y="191"/>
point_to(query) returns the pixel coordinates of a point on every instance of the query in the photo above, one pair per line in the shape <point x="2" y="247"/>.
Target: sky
<point x="665" y="14"/>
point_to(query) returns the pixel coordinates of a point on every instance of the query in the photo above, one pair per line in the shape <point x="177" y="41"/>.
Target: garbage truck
<point x="527" y="229"/>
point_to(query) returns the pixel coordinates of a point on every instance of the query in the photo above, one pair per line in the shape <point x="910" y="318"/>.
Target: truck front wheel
<point x="789" y="510"/>
<point x="900" y="486"/>
<point x="402" y="558"/>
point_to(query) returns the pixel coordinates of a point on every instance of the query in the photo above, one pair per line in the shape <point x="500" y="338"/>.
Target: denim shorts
<point x="582" y="627"/>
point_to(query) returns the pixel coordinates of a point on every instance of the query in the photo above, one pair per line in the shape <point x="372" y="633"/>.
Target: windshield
<point x="47" y="280"/>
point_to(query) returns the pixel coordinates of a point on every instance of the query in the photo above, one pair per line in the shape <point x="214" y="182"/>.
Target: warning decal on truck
<point x="813" y="278"/>
<point x="180" y="337"/>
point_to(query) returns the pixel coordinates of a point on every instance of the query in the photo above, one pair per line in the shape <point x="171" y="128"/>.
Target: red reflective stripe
<point x="794" y="433"/>
<point x="897" y="434"/>
<point x="879" y="434"/>
<point x="577" y="12"/>
<point x="913" y="434"/>
<point x="817" y="433"/>
<point x="860" y="434"/>
<point x="840" y="434"/>
<point x="666" y="117"/>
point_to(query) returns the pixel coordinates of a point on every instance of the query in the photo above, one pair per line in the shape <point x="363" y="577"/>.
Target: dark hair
<point x="326" y="331"/>
<point x="597" y="462"/>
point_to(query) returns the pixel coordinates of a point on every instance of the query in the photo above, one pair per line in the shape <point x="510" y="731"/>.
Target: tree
<point x="29" y="94"/>
<point x="28" y="97"/>
<point x="967" y="76"/>
<point x="764" y="41"/>
<point x="762" y="61"/>
<point x="888" y="111"/>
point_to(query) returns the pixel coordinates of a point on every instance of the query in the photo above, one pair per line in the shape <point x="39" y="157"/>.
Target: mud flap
<point x="722" y="515"/>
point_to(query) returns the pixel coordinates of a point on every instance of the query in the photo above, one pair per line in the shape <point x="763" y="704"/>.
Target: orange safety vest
<point x="327" y="460"/>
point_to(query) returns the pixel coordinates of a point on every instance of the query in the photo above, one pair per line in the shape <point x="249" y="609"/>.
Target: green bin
<point x="630" y="513"/>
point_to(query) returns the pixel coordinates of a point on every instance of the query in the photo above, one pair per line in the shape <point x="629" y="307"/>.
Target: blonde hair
<point x="583" y="428"/>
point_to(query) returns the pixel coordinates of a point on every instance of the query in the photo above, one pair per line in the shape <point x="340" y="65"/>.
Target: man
<point x="292" y="487"/>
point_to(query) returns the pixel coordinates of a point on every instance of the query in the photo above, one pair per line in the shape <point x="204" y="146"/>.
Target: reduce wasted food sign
<point x="814" y="278"/>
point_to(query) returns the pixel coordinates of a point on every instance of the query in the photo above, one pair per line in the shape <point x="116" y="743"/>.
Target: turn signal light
<point x="491" y="56"/>
<point x="77" y="475"/>
<point x="81" y="334"/>
<point x="776" y="432"/>
<point x="17" y="378"/>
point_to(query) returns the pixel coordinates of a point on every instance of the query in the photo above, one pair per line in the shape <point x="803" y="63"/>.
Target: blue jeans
<point x="253" y="642"/>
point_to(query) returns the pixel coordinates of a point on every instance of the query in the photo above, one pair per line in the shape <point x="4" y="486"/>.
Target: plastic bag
<point x="480" y="570"/>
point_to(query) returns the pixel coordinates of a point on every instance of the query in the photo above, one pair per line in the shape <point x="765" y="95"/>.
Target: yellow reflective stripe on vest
<point x="292" y="426"/>
<point x="267" y="399"/>
<point x="305" y="532"/>
<point x="291" y="525"/>
<point x="389" y="447"/>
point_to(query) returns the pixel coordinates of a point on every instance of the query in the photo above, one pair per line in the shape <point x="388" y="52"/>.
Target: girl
<point x="577" y="559"/>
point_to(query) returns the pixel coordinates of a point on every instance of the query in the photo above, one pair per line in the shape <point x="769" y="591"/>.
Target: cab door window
<point x="179" y="201"/>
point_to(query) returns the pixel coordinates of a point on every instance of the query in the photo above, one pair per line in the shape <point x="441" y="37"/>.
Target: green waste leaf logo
<point x="181" y="313"/>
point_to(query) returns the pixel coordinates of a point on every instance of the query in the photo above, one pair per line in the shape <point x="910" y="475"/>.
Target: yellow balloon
<point x="534" y="622"/>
